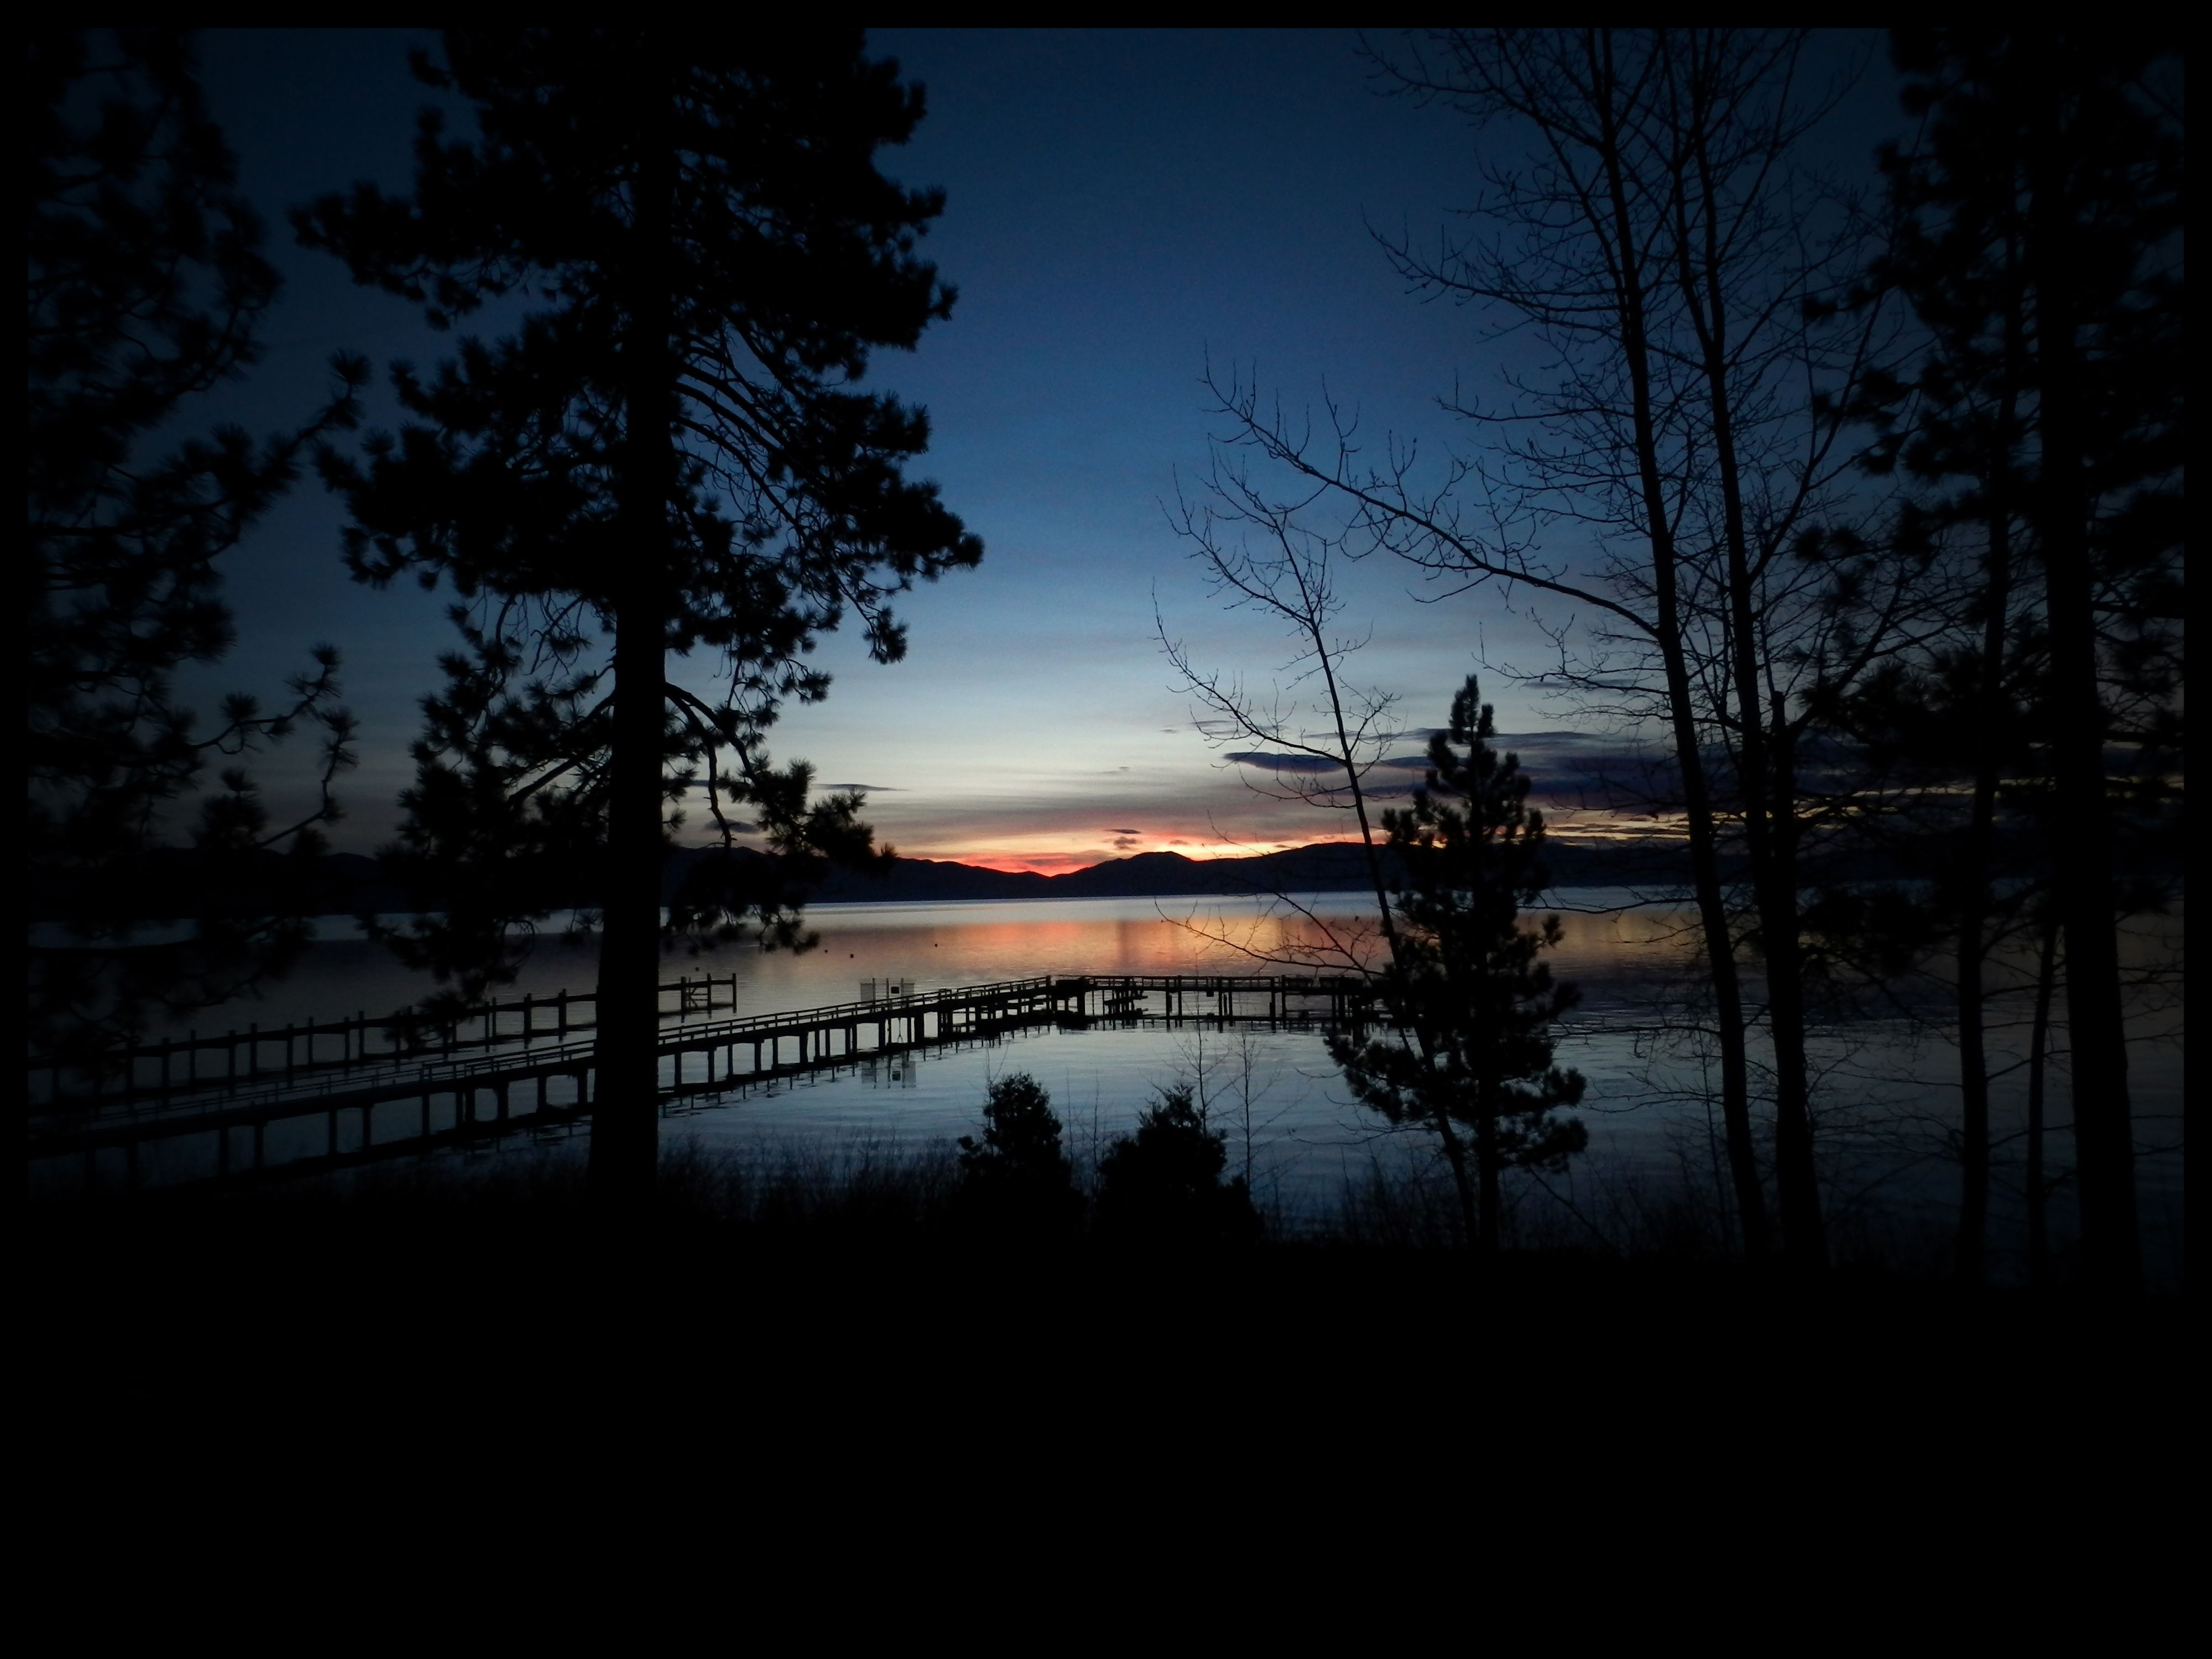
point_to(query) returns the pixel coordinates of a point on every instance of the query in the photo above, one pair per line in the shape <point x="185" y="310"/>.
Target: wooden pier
<point x="323" y="1111"/>
<point x="250" y="1058"/>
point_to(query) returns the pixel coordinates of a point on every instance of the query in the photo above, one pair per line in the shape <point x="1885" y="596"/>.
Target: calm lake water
<point x="1887" y="1093"/>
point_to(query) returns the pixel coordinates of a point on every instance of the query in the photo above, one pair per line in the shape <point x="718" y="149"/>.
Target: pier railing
<point x="328" y="1113"/>
<point x="234" y="1060"/>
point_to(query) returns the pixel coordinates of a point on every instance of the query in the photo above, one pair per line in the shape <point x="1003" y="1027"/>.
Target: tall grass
<point x="874" y="1193"/>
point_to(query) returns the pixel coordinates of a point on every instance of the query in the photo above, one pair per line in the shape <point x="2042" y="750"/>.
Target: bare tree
<point x="1323" y="735"/>
<point x="1467" y="1057"/>
<point x="1643" y="220"/>
<point x="1290" y="579"/>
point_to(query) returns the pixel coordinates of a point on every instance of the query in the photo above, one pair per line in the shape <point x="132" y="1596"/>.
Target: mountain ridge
<point x="177" y="883"/>
<point x="1320" y="866"/>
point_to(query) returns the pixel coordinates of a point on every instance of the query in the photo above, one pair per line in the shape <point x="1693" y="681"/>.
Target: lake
<point x="1885" y="1092"/>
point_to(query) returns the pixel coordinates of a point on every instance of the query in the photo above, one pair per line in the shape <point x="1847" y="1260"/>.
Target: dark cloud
<point x="1561" y="742"/>
<point x="1585" y="753"/>
<point x="1125" y="832"/>
<point x="1592" y="768"/>
<point x="1557" y="763"/>
<point x="1338" y="795"/>
<point x="1580" y="769"/>
<point x="1267" y="763"/>
<point x="869" y="788"/>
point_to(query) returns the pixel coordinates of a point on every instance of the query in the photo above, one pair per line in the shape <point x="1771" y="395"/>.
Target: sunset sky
<point x="1121" y="207"/>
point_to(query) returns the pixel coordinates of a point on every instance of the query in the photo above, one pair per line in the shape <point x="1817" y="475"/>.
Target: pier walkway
<point x="362" y="1090"/>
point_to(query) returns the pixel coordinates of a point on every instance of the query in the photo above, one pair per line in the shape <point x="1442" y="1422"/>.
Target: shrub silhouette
<point x="1016" y="1179"/>
<point x="1163" y="1184"/>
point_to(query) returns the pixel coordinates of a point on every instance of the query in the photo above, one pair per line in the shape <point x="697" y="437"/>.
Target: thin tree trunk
<point x="626" y="1118"/>
<point x="1973" y="1068"/>
<point x="2096" y="1034"/>
<point x="1486" y="1158"/>
<point x="1697" y="800"/>
<point x="1974" y="876"/>
<point x="1462" y="1185"/>
<point x="1967" y="1257"/>
<point x="1805" y="1234"/>
<point x="1769" y="843"/>
<point x="2038" y="1052"/>
<point x="1455" y="1149"/>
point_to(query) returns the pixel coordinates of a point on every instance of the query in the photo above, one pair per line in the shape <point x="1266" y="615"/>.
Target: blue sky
<point x="1121" y="207"/>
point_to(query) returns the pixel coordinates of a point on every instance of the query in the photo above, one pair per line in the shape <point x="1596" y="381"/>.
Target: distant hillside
<point x="173" y="882"/>
<point x="1325" y="867"/>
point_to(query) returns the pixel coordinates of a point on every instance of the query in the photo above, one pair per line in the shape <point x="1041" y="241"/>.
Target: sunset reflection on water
<point x="941" y="945"/>
<point x="1885" y="1101"/>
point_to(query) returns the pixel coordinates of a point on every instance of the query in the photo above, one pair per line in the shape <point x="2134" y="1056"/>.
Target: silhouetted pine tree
<point x="1953" y="418"/>
<point x="2039" y="242"/>
<point x="145" y="287"/>
<point x="667" y="452"/>
<point x="1471" y="1057"/>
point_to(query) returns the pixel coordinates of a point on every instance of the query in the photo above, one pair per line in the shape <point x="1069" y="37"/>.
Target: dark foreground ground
<point x="484" y="1408"/>
<point x="323" y="1319"/>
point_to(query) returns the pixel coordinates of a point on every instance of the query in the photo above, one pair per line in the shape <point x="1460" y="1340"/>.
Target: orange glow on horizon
<point x="1040" y="861"/>
<point x="1019" y="862"/>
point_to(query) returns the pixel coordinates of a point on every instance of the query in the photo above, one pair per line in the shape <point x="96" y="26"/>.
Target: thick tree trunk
<point x="626" y="1117"/>
<point x="2103" y="1133"/>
